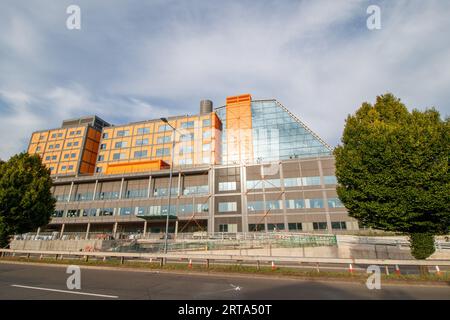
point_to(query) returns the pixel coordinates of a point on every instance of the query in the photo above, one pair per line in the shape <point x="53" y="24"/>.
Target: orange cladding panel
<point x="239" y="128"/>
<point x="136" y="166"/>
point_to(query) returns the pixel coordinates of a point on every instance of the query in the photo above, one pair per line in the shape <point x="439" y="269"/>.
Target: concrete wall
<point x="62" y="245"/>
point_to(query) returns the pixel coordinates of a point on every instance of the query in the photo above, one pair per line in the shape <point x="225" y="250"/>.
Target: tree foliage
<point x="392" y="168"/>
<point x="26" y="202"/>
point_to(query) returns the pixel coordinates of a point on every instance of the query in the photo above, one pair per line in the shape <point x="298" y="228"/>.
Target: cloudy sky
<point x="136" y="60"/>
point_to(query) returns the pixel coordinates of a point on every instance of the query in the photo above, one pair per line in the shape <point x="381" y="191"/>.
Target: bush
<point x="422" y="245"/>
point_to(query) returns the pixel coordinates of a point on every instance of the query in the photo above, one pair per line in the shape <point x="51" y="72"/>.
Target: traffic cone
<point x="350" y="268"/>
<point x="190" y="264"/>
<point x="273" y="266"/>
<point x="397" y="270"/>
<point x="438" y="271"/>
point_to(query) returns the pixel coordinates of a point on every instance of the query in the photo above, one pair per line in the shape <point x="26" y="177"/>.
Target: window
<point x="188" y="190"/>
<point x="314" y="203"/>
<point x="123" y="133"/>
<point x="78" y="131"/>
<point x="118" y="156"/>
<point x="91" y="212"/>
<point x="206" y="147"/>
<point x="71" y="133"/>
<point x="227" y="206"/>
<point x="102" y="146"/>
<point x="58" y="213"/>
<point x="98" y="169"/>
<point x="311" y="181"/>
<point x="105" y="135"/>
<point x="185" y="149"/>
<point x="329" y="180"/>
<point x="227" y="186"/>
<point x="295" y="226"/>
<point x="164" y="139"/>
<point x="275" y="226"/>
<point x="70" y="168"/>
<point x="38" y="148"/>
<point x="143" y="130"/>
<point x="187" y="137"/>
<point x="106" y="212"/>
<point x="60" y="135"/>
<point x="254" y="184"/>
<point x="255" y="206"/>
<point x="63" y="168"/>
<point x="140" y="154"/>
<point x="50" y="146"/>
<point x="41" y="137"/>
<point x="161" y="152"/>
<point x="57" y="146"/>
<point x="295" y="204"/>
<point x="73" y="155"/>
<point x="66" y="156"/>
<point x="125" y="211"/>
<point x="142" y="142"/>
<point x="69" y="144"/>
<point x="163" y="128"/>
<point x="339" y="225"/>
<point x="335" y="203"/>
<point x="202" y="207"/>
<point x="273" y="204"/>
<point x="47" y="158"/>
<point x="206" y="159"/>
<point x="256" y="227"/>
<point x="185" y="208"/>
<point x="142" y="211"/>
<point x="319" y="225"/>
<point x="73" y="213"/>
<point x="206" y="134"/>
<point x="53" y="135"/>
<point x="206" y="123"/>
<point x="52" y="169"/>
<point x="136" y="193"/>
<point x="101" y="157"/>
<point x="53" y="157"/>
<point x="121" y="144"/>
<point x="272" y="183"/>
<point x="223" y="228"/>
<point x="186" y="161"/>
<point x="75" y="143"/>
<point x="187" y="124"/>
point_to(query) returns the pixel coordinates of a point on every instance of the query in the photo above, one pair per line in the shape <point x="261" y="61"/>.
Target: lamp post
<point x="170" y="182"/>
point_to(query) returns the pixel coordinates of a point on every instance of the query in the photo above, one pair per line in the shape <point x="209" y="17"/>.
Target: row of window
<point x="253" y="206"/>
<point x="133" y="193"/>
<point x="59" y="135"/>
<point x="155" y="210"/>
<point x="294" y="226"/>
<point x="161" y="128"/>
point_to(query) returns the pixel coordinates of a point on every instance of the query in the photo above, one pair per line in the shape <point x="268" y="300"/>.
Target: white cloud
<point x="140" y="61"/>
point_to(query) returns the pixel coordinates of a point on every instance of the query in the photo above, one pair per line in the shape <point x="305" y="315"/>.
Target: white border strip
<point x="66" y="291"/>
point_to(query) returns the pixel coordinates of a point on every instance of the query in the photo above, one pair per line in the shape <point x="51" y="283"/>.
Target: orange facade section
<point x="135" y="166"/>
<point x="239" y="128"/>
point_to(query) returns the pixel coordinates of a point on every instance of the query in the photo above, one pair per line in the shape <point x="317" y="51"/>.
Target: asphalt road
<point x="21" y="281"/>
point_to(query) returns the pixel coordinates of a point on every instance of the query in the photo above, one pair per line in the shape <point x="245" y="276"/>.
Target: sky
<point x="139" y="60"/>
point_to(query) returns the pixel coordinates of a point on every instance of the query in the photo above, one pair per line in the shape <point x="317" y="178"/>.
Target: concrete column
<point x="121" y="188"/>
<point x="145" y="228"/>
<point x="283" y="197"/>
<point x="87" y="230"/>
<point x="179" y="184"/>
<point x="70" y="191"/>
<point x="176" y="228"/>
<point x="38" y="231"/>
<point x="211" y="181"/>
<point x="325" y="199"/>
<point x="244" y="211"/>
<point x="62" y="230"/>
<point x="95" y="189"/>
<point x="149" y="189"/>
<point x="115" y="229"/>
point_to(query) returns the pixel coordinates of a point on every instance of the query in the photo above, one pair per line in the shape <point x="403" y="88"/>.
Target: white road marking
<point x="66" y="291"/>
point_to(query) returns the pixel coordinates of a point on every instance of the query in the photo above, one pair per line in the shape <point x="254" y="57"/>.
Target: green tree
<point x="392" y="170"/>
<point x="26" y="202"/>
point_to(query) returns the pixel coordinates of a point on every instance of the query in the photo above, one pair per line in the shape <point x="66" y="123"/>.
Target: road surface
<point x="23" y="281"/>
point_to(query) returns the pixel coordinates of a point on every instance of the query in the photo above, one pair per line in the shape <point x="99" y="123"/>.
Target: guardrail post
<point x="207" y="263"/>
<point x="122" y="259"/>
<point x="56" y="256"/>
<point x="258" y="267"/>
<point x="40" y="257"/>
<point x="161" y="262"/>
<point x="387" y="270"/>
<point x="86" y="258"/>
<point x="28" y="255"/>
<point x="317" y="267"/>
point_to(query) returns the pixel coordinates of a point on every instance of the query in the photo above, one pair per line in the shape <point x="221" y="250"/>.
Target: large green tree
<point x="392" y="170"/>
<point x="26" y="202"/>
